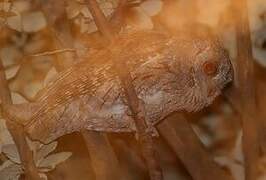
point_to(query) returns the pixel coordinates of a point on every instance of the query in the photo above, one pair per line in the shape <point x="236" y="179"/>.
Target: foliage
<point x="45" y="160"/>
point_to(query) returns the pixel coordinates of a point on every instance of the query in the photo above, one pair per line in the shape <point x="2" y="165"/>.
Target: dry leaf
<point x="12" y="72"/>
<point x="54" y="159"/>
<point x="10" y="55"/>
<point x="11" y="152"/>
<point x="88" y="27"/>
<point x="260" y="56"/>
<point x="17" y="98"/>
<point x="258" y="51"/>
<point x="73" y="9"/>
<point x="44" y="151"/>
<point x="141" y="20"/>
<point x="152" y="7"/>
<point x="107" y="8"/>
<point x="52" y="73"/>
<point x="43" y="176"/>
<point x="10" y="171"/>
<point x="5" y="136"/>
<point x="33" y="88"/>
<point x="34" y="145"/>
<point x="85" y="12"/>
<point x="15" y="23"/>
<point x="33" y="22"/>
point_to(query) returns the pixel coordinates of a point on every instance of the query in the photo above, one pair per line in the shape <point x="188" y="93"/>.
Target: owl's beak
<point x="230" y="73"/>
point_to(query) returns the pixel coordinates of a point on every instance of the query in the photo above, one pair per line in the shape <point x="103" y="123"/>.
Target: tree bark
<point x="244" y="85"/>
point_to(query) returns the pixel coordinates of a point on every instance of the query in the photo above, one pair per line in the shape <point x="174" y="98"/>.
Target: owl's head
<point x="212" y="69"/>
<point x="208" y="68"/>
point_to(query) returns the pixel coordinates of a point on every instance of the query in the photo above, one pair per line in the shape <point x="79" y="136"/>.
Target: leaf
<point x="5" y="136"/>
<point x="43" y="176"/>
<point x="11" y="152"/>
<point x="151" y="7"/>
<point x="73" y="9"/>
<point x="237" y="152"/>
<point x="107" y="8"/>
<point x="33" y="21"/>
<point x="10" y="171"/>
<point x="17" y="98"/>
<point x="44" y="151"/>
<point x="34" y="145"/>
<point x="88" y="27"/>
<point x="15" y="22"/>
<point x="12" y="72"/>
<point x="6" y="164"/>
<point x="141" y="20"/>
<point x="33" y="88"/>
<point x="85" y="12"/>
<point x="50" y="76"/>
<point x="258" y="51"/>
<point x="54" y="159"/>
<point x="10" y="55"/>
<point x="6" y="10"/>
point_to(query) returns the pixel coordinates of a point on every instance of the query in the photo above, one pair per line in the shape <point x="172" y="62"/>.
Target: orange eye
<point x="210" y="68"/>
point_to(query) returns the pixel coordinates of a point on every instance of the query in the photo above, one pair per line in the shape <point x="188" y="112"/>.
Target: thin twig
<point x="48" y="53"/>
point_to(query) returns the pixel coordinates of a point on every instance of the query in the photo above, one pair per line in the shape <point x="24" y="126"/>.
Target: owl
<point x="170" y="72"/>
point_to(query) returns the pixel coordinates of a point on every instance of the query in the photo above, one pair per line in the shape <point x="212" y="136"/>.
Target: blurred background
<point x="31" y="59"/>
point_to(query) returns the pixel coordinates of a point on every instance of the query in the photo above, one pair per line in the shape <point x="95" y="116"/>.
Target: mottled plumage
<point x="170" y="73"/>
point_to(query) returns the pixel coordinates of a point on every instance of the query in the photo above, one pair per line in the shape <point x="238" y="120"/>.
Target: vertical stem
<point x="17" y="132"/>
<point x="145" y="138"/>
<point x="245" y="86"/>
<point x="134" y="104"/>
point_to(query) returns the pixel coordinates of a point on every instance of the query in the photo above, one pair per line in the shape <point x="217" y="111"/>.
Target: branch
<point x="17" y="132"/>
<point x="134" y="103"/>
<point x="99" y="19"/>
<point x="244" y="85"/>
<point x="179" y="135"/>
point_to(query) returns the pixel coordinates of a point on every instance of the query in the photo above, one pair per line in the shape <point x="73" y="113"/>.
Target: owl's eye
<point x="210" y="68"/>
